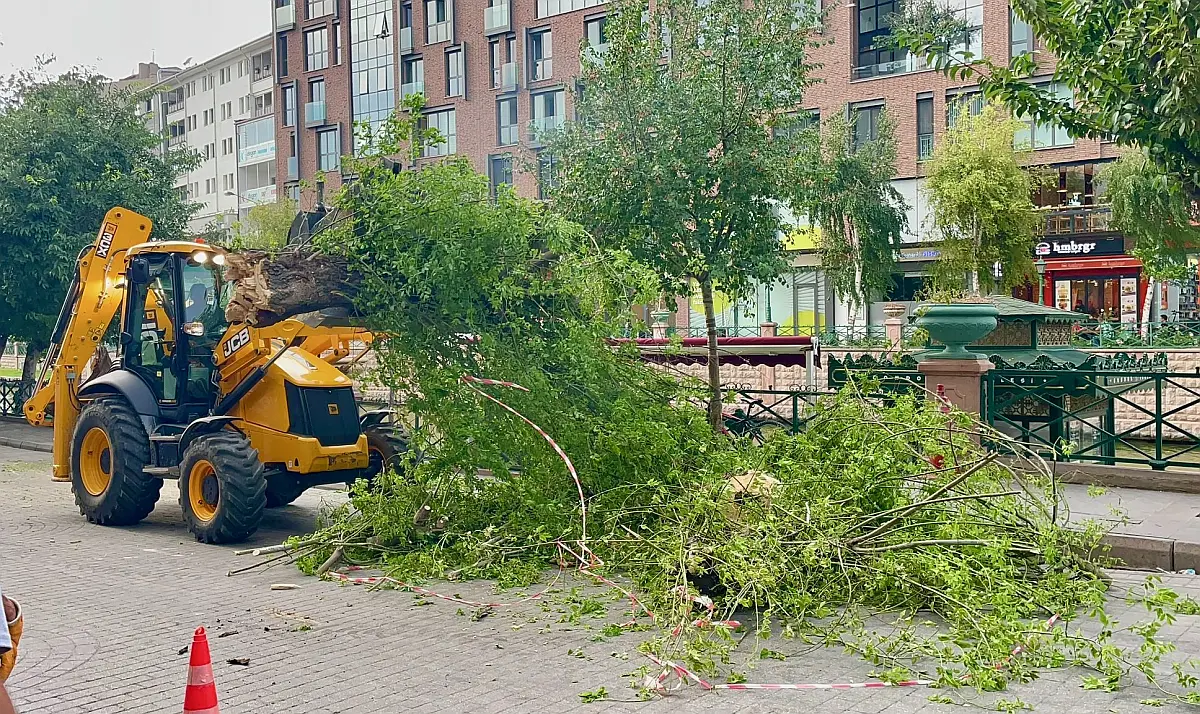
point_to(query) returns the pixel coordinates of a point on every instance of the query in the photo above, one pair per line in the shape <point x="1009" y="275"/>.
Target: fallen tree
<point x="880" y="506"/>
<point x="272" y="286"/>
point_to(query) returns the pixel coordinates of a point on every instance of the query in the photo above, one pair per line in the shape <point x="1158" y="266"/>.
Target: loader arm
<point x="93" y="298"/>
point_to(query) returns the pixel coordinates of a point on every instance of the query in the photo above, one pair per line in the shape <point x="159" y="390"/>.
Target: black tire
<point x="387" y="447"/>
<point x="282" y="490"/>
<point x="222" y="489"/>
<point x="129" y="495"/>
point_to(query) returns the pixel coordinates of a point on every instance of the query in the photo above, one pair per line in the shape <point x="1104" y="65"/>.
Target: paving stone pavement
<point x="108" y="611"/>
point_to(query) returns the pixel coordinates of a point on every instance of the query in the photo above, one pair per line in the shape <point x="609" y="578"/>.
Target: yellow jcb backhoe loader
<point x="244" y="417"/>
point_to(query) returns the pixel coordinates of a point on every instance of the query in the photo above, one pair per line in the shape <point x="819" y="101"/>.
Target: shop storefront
<point x="1088" y="271"/>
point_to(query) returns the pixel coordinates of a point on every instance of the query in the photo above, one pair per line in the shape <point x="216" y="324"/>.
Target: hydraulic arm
<point x="92" y="301"/>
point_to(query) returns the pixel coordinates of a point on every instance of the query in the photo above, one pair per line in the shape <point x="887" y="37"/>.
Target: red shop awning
<point x="1077" y="265"/>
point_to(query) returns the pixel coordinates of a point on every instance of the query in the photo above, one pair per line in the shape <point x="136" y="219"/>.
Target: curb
<point x="1148" y="553"/>
<point x="26" y="445"/>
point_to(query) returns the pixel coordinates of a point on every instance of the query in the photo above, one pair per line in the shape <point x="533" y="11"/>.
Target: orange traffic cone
<point x="201" y="696"/>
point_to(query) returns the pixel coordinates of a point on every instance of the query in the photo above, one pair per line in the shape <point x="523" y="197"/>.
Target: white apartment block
<point x="224" y="110"/>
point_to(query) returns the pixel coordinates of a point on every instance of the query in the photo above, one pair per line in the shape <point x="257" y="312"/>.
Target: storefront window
<point x="1112" y="299"/>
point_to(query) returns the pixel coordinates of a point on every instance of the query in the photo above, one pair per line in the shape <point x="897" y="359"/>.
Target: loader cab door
<point x="175" y="317"/>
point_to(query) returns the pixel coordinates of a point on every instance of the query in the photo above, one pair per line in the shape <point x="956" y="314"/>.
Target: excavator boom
<point x="92" y="301"/>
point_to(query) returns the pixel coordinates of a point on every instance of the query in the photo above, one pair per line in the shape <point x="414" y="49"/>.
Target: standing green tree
<point x="672" y="157"/>
<point x="71" y="148"/>
<point x="861" y="214"/>
<point x="1132" y="68"/>
<point x="979" y="193"/>
<point x="1156" y="210"/>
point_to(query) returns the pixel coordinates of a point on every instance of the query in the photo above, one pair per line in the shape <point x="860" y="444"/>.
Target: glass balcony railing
<point x="409" y="88"/>
<point x="496" y="19"/>
<point x="285" y="17"/>
<point x="315" y="114"/>
<point x="542" y="69"/>
<point x="884" y="69"/>
<point x="508" y="76"/>
<point x="293" y="168"/>
<point x="1080" y="220"/>
<point x="596" y="53"/>
<point x="508" y="134"/>
<point x="406" y="43"/>
<point x="545" y="125"/>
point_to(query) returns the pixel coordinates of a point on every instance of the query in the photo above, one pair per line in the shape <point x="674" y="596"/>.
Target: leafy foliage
<point x="266" y="226"/>
<point x="1156" y="210"/>
<point x="861" y="215"/>
<point x="979" y="194"/>
<point x="673" y="159"/>
<point x="1131" y="65"/>
<point x="71" y="149"/>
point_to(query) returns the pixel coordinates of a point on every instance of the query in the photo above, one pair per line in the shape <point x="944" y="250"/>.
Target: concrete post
<point x="766" y="372"/>
<point x="658" y="328"/>
<point x="960" y="379"/>
<point x="893" y="326"/>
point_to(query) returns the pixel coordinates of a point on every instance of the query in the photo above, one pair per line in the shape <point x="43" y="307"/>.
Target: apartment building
<point x="490" y="69"/>
<point x="224" y="109"/>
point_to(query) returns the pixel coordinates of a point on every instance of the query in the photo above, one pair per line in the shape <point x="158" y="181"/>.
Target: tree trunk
<point x="268" y="288"/>
<point x="715" y="418"/>
<point x="32" y="355"/>
<point x="1147" y="306"/>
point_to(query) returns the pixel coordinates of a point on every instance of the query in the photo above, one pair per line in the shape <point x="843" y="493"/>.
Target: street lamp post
<point x="1040" y="265"/>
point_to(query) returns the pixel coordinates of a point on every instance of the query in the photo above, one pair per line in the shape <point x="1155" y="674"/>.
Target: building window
<point x="412" y="76"/>
<point x="455" y="74"/>
<point x="289" y="105"/>
<point x="549" y="111"/>
<point x="866" y="123"/>
<point x="547" y="172"/>
<point x="337" y="44"/>
<point x="595" y="31"/>
<point x="1045" y="136"/>
<point x="281" y="55"/>
<point x="496" y="62"/>
<point x="263" y="105"/>
<point x="316" y="49"/>
<point x="372" y="62"/>
<point x="874" y="24"/>
<point x="437" y="21"/>
<point x="970" y="12"/>
<point x="320" y="8"/>
<point x="506" y="119"/>
<point x="548" y="8"/>
<point x="316" y="90"/>
<point x="797" y="122"/>
<point x="970" y="103"/>
<point x="1020" y="36"/>
<point x="924" y="128"/>
<point x="444" y="122"/>
<point x="329" y="150"/>
<point x="209" y="115"/>
<point x="500" y="172"/>
<point x="541" y="55"/>
<point x="260" y="66"/>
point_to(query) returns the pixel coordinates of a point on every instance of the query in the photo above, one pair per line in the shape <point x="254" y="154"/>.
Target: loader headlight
<point x="219" y="259"/>
<point x="200" y="257"/>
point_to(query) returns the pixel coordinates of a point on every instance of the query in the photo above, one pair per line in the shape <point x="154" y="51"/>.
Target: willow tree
<point x="675" y="155"/>
<point x="861" y="214"/>
<point x="979" y="194"/>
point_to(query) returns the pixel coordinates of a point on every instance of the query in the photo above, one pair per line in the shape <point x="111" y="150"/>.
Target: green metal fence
<point x="1106" y="335"/>
<point x="13" y="393"/>
<point x="1103" y="416"/>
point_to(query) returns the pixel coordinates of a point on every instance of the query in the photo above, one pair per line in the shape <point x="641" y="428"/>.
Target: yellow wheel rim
<point x="95" y="462"/>
<point x="204" y="491"/>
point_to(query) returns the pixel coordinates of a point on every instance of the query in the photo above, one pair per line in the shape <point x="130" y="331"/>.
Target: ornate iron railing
<point x="13" y="393"/>
<point x="1135" y="334"/>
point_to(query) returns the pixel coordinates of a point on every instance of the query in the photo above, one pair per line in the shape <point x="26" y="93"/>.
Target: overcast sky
<point x="114" y="35"/>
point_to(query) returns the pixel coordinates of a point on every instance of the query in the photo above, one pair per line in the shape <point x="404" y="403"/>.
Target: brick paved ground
<point x="108" y="611"/>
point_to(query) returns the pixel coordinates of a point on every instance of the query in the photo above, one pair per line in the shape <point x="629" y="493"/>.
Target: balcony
<point x="496" y="19"/>
<point x="293" y="168"/>
<point x="508" y="76"/>
<point x="175" y="141"/>
<point x="885" y="69"/>
<point x="262" y="111"/>
<point x="172" y="108"/>
<point x="409" y="88"/>
<point x="285" y="17"/>
<point x="406" y="43"/>
<point x="595" y="53"/>
<point x="1079" y="220"/>
<point x="924" y="147"/>
<point x="314" y="114"/>
<point x="545" y="125"/>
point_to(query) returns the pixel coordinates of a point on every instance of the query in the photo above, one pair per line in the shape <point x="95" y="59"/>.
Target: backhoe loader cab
<point x="244" y="417"/>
